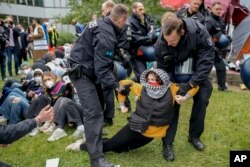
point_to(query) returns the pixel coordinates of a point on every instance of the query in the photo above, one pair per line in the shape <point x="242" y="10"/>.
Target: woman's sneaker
<point x="51" y="129"/>
<point x="45" y="126"/>
<point x="57" y="134"/>
<point x="75" y="147"/>
<point x="79" y="133"/>
<point x="34" y="132"/>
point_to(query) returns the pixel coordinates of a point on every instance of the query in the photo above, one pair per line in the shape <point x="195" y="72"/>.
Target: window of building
<point x="24" y="22"/>
<point x="21" y="2"/>
<point x="38" y="3"/>
<point x="30" y="2"/>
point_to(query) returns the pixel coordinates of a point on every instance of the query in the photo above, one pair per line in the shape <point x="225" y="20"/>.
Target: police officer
<point x="91" y="63"/>
<point x="216" y="26"/>
<point x="192" y="11"/>
<point x="108" y="94"/>
<point x="183" y="39"/>
<point x="140" y="26"/>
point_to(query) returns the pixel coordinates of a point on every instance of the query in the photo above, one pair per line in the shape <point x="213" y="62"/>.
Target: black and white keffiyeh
<point x="156" y="92"/>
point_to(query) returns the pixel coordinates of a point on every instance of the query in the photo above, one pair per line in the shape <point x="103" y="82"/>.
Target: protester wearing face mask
<point x="34" y="88"/>
<point x="54" y="88"/>
<point x="26" y="71"/>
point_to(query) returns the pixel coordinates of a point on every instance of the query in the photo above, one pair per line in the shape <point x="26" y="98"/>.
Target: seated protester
<point x="26" y="71"/>
<point x="15" y="106"/>
<point x="34" y="87"/>
<point x="54" y="88"/>
<point x="9" y="85"/>
<point x="11" y="133"/>
<point x="59" y="59"/>
<point x="154" y="112"/>
<point x="56" y="69"/>
<point x="39" y="63"/>
<point x="66" y="48"/>
<point x="47" y="58"/>
<point x="66" y="111"/>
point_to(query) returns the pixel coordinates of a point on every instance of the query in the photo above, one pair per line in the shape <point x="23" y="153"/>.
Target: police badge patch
<point x="209" y="41"/>
<point x="109" y="54"/>
<point x="92" y="24"/>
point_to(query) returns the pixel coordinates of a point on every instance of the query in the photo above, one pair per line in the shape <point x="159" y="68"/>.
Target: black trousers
<point x="221" y="73"/>
<point x="109" y="105"/>
<point x="124" y="140"/>
<point x="92" y="114"/>
<point x="37" y="105"/>
<point x="197" y="119"/>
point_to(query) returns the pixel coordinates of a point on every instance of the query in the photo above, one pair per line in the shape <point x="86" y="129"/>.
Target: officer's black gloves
<point x="154" y="35"/>
<point x="183" y="88"/>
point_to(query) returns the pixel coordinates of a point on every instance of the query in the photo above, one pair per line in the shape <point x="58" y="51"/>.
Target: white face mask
<point x="26" y="71"/>
<point x="49" y="84"/>
<point x="38" y="79"/>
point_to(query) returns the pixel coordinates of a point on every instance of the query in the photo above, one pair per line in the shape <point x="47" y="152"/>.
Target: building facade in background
<point x="23" y="11"/>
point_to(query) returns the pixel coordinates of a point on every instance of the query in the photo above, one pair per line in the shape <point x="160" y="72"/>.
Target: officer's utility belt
<point x="75" y="71"/>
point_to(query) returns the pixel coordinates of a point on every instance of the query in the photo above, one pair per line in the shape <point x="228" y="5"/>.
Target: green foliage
<point x="84" y="11"/>
<point x="226" y="128"/>
<point x="65" y="38"/>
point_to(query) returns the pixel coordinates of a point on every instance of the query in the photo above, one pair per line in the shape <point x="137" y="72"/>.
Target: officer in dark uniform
<point x="108" y="94"/>
<point x="183" y="39"/>
<point x="91" y="64"/>
<point x="140" y="26"/>
<point x="215" y="26"/>
<point x="192" y="11"/>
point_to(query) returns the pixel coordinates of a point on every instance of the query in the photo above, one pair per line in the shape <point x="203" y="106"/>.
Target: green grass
<point x="227" y="128"/>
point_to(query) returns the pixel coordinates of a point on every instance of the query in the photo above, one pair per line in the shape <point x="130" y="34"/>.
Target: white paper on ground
<point x="52" y="162"/>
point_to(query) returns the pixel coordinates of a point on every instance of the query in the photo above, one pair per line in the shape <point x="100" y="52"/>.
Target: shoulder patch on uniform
<point x="209" y="41"/>
<point x="93" y="24"/>
<point x="109" y="54"/>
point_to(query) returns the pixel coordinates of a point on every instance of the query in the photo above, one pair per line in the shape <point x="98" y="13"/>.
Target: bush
<point x="65" y="37"/>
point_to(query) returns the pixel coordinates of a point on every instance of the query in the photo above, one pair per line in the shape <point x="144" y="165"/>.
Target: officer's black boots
<point x="101" y="162"/>
<point x="197" y="143"/>
<point x="108" y="121"/>
<point x="168" y="152"/>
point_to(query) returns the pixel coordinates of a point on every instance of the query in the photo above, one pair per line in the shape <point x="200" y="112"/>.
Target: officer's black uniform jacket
<point x="94" y="50"/>
<point x="196" y="43"/>
<point x="11" y="133"/>
<point x="215" y="25"/>
<point x="140" y="31"/>
<point x="184" y="13"/>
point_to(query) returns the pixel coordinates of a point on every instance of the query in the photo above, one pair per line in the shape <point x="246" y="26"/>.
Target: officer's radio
<point x="75" y="71"/>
